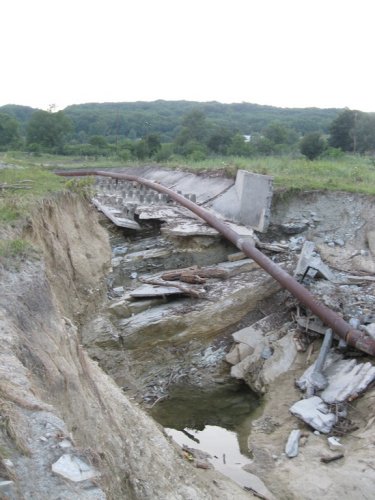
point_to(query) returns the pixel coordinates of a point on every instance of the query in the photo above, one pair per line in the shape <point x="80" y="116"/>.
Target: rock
<point x="65" y="443"/>
<point x="339" y="242"/>
<point x="294" y="227"/>
<point x="233" y="356"/>
<point x="334" y="444"/>
<point x="244" y="350"/>
<point x="314" y="412"/>
<point x="73" y="468"/>
<point x="371" y="241"/>
<point x="118" y="291"/>
<point x="291" y="447"/>
<point x="7" y="489"/>
<point x="120" y="250"/>
<point x="370" y="329"/>
<point x="267" y="352"/>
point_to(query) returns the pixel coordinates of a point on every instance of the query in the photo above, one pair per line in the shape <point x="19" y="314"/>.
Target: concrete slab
<point x="314" y="412"/>
<point x="248" y="201"/>
<point x="346" y="378"/>
<point x="113" y="215"/>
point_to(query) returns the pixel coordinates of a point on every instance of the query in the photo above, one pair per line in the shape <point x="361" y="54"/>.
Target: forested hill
<point x="137" y="119"/>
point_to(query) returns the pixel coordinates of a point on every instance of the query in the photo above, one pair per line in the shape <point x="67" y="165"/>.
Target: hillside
<point x="136" y="119"/>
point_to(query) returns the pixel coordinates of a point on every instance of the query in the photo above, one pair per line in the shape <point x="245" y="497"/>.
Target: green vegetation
<point x="15" y="248"/>
<point x="169" y="131"/>
<point x="21" y="186"/>
<point x="312" y="145"/>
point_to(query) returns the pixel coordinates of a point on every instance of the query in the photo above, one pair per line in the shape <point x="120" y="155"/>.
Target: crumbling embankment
<point x="55" y="401"/>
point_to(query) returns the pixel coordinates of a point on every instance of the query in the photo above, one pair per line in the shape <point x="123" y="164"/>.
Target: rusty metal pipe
<point x="344" y="330"/>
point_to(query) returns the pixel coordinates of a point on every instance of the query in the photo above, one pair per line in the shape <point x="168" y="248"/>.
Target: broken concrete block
<point x="309" y="260"/>
<point x="284" y="353"/>
<point x="253" y="334"/>
<point x="73" y="468"/>
<point x="314" y="412"/>
<point x="347" y="378"/>
<point x="291" y="447"/>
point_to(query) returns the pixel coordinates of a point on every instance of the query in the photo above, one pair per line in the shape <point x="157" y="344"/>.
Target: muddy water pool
<point x="217" y="422"/>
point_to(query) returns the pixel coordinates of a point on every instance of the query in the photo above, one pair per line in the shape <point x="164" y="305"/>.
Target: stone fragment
<point x="294" y="227"/>
<point x="291" y="447"/>
<point x="7" y="489"/>
<point x="314" y="412"/>
<point x="118" y="291"/>
<point x="339" y="242"/>
<point x="233" y="356"/>
<point x="334" y="444"/>
<point x="65" y="443"/>
<point x="244" y="350"/>
<point x="73" y="468"/>
<point x="371" y="241"/>
<point x="370" y="329"/>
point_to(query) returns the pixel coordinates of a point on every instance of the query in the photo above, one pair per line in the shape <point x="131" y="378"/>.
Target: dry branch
<point x="197" y="294"/>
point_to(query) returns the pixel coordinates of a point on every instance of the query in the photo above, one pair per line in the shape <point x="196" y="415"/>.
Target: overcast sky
<point x="289" y="53"/>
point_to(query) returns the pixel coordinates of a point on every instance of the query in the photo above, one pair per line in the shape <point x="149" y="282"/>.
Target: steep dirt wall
<point x="76" y="252"/>
<point x="50" y="389"/>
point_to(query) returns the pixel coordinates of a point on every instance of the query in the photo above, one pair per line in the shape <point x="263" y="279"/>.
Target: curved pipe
<point x="344" y="330"/>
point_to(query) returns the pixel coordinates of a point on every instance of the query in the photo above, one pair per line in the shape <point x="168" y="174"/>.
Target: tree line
<point x="205" y="129"/>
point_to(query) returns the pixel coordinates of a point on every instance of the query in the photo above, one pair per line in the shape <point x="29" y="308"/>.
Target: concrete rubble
<point x="266" y="350"/>
<point x="314" y="412"/>
<point x="346" y="378"/>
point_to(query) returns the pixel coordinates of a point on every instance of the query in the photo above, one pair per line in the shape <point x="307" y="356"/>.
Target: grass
<point x="347" y="173"/>
<point x="15" y="248"/>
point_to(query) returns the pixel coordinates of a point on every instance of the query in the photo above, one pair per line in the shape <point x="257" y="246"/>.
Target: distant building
<point x="247" y="138"/>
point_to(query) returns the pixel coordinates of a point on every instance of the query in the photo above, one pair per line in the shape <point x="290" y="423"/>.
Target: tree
<point x="312" y="145"/>
<point x="194" y="131"/>
<point x="99" y="141"/>
<point x="365" y="133"/>
<point x="342" y="131"/>
<point x="153" y="144"/>
<point x="8" y="130"/>
<point x="48" y="129"/>
<point x="220" y="140"/>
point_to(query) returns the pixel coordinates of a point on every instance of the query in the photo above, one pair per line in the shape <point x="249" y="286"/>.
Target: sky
<point x="286" y="53"/>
